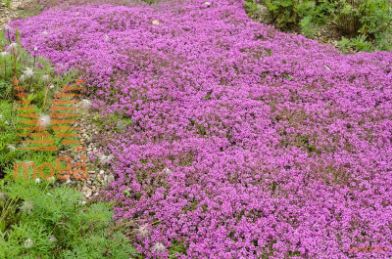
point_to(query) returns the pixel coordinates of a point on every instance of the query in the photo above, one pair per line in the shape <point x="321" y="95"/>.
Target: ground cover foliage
<point x="245" y="141"/>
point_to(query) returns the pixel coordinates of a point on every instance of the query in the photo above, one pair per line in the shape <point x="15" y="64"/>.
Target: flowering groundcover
<point x="246" y="141"/>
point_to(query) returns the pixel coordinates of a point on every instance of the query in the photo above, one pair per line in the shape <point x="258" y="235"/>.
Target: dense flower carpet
<point x="245" y="141"/>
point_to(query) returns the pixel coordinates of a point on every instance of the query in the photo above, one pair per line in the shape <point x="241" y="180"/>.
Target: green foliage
<point x="8" y="136"/>
<point x="257" y="11"/>
<point x="289" y="14"/>
<point x="176" y="249"/>
<point x="52" y="222"/>
<point x="111" y="122"/>
<point x="35" y="74"/>
<point x="6" y="3"/>
<point x="361" y="22"/>
<point x="150" y="1"/>
<point x="375" y="17"/>
<point x="358" y="43"/>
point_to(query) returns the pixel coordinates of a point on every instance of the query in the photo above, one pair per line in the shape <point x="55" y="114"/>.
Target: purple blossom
<point x="277" y="145"/>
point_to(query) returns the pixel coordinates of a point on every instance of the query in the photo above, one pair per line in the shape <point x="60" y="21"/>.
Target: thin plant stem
<point x="5" y="69"/>
<point x="45" y="98"/>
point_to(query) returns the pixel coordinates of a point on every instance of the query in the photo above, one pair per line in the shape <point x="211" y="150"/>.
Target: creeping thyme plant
<point x="245" y="142"/>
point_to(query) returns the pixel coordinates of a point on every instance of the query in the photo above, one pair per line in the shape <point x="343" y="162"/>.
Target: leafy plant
<point x="358" y="43"/>
<point x="6" y="3"/>
<point x="364" y="21"/>
<point x="52" y="222"/>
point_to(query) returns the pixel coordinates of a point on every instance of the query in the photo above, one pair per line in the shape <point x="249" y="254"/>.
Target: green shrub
<point x="363" y="22"/>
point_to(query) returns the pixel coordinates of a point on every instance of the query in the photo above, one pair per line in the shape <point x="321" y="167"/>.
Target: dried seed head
<point x="143" y="230"/>
<point x="3" y="196"/>
<point x="44" y="121"/>
<point x="28" y="72"/>
<point x="159" y="247"/>
<point x="52" y="180"/>
<point x="52" y="239"/>
<point x="28" y="243"/>
<point x="45" y="78"/>
<point x="12" y="46"/>
<point x="105" y="159"/>
<point x="11" y="147"/>
<point x="27" y="207"/>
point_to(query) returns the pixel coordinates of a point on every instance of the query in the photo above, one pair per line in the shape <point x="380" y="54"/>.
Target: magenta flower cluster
<point x="246" y="141"/>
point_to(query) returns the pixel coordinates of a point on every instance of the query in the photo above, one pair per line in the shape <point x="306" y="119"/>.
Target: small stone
<point x="167" y="171"/>
<point x="110" y="178"/>
<point x="207" y="4"/>
<point x="87" y="191"/>
<point x="85" y="104"/>
<point x="155" y="22"/>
